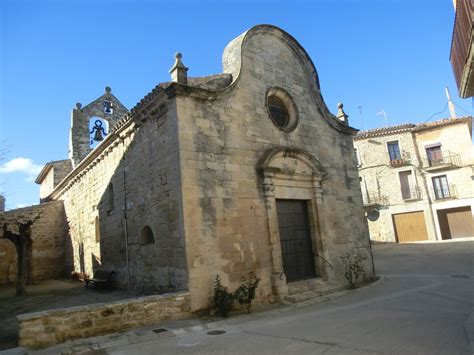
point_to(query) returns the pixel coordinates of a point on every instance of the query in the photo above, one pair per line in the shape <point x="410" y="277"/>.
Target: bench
<point x="101" y="277"/>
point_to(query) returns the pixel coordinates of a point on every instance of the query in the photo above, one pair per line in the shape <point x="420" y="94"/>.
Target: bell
<point x="98" y="135"/>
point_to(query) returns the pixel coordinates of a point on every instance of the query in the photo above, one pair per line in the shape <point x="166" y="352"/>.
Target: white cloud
<point x="23" y="165"/>
<point x="20" y="205"/>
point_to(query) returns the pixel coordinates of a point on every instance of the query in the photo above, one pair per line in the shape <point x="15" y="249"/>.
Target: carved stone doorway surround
<point x="291" y="173"/>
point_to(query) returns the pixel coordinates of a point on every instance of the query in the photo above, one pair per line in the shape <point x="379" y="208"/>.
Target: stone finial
<point x="78" y="105"/>
<point x="179" y="73"/>
<point x="108" y="90"/>
<point x="341" y="115"/>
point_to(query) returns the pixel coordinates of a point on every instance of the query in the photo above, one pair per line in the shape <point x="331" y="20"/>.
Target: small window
<point x="146" y="236"/>
<point x="434" y="155"/>
<point x="394" y="151"/>
<point x="441" y="187"/>
<point x="110" y="198"/>
<point x="406" y="185"/>
<point x="278" y="111"/>
<point x="281" y="109"/>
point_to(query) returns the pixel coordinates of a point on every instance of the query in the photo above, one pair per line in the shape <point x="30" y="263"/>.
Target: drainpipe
<point x="425" y="183"/>
<point x="125" y="222"/>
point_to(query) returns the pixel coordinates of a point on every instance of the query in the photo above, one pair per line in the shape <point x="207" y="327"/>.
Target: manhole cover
<point x="160" y="330"/>
<point x="216" y="332"/>
<point x="460" y="276"/>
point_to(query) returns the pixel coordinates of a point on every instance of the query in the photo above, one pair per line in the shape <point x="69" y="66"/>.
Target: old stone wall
<point x="47" y="328"/>
<point x="131" y="186"/>
<point x="228" y="229"/>
<point x="7" y="262"/>
<point x="48" y="233"/>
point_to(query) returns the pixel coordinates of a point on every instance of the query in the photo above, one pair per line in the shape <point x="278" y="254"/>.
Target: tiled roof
<point x="384" y="131"/>
<point x="410" y="127"/>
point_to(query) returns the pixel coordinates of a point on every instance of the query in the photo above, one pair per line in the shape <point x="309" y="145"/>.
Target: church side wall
<point x="48" y="233"/>
<point x="221" y="141"/>
<point x="132" y="185"/>
<point x="153" y="188"/>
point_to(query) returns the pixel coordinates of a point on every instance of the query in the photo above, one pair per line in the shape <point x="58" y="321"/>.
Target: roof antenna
<point x="452" y="111"/>
<point x="361" y="117"/>
<point x="384" y="114"/>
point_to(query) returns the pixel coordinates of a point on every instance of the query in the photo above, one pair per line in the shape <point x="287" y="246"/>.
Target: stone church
<point x="236" y="173"/>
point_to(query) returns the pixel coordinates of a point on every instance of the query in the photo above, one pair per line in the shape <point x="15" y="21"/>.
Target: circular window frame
<point x="290" y="107"/>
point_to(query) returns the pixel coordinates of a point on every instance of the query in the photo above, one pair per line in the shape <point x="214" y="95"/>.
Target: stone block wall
<point x="221" y="142"/>
<point x="49" y="234"/>
<point x="47" y="328"/>
<point x="7" y="262"/>
<point x="131" y="181"/>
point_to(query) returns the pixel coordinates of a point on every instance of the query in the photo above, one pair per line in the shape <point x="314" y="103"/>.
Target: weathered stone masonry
<point x="186" y="185"/>
<point x="48" y="241"/>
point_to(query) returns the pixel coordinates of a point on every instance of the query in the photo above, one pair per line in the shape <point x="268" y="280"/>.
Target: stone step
<point x="311" y="294"/>
<point x="305" y="285"/>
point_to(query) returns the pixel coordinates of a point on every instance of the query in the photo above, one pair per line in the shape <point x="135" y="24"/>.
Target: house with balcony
<point x="417" y="180"/>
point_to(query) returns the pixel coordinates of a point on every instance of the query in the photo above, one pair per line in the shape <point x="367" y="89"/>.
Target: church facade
<point x="231" y="174"/>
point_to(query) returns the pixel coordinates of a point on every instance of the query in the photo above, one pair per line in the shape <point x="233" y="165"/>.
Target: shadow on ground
<point x="49" y="294"/>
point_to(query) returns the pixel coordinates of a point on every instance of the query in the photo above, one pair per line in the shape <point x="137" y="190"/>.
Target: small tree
<point x="22" y="241"/>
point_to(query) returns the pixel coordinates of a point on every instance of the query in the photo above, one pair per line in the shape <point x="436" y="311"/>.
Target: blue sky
<point x="372" y="55"/>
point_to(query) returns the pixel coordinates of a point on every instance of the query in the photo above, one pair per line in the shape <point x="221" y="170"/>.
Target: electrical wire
<point x="458" y="106"/>
<point x="437" y="113"/>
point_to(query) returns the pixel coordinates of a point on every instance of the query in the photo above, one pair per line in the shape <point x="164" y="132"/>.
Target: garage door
<point x="456" y="222"/>
<point x="410" y="227"/>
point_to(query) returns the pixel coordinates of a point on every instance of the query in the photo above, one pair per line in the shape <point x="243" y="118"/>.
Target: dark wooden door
<point x="295" y="238"/>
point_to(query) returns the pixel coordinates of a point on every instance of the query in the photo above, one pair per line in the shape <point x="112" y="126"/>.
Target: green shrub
<point x="354" y="264"/>
<point x="246" y="291"/>
<point x="222" y="298"/>
<point x="245" y="294"/>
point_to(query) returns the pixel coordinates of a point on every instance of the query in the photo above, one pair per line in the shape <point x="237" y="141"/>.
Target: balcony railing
<point x="404" y="159"/>
<point x="460" y="47"/>
<point x="411" y="193"/>
<point x="442" y="160"/>
<point x="374" y="199"/>
<point x="444" y="192"/>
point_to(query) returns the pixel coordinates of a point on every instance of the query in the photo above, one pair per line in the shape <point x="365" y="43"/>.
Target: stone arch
<point x="271" y="156"/>
<point x="291" y="174"/>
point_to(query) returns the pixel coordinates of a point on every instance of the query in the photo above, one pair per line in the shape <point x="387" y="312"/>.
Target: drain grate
<point x="216" y="332"/>
<point x="460" y="276"/>
<point x="160" y="330"/>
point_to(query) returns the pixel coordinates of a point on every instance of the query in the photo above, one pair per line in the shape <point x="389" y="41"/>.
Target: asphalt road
<point x="420" y="306"/>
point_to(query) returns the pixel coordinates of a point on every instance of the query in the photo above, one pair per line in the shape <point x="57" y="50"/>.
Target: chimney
<point x="452" y="111"/>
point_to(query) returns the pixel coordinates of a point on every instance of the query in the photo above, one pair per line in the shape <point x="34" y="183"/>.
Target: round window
<point x="281" y="109"/>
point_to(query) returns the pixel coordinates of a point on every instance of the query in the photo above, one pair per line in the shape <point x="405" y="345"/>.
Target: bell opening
<point x="98" y="130"/>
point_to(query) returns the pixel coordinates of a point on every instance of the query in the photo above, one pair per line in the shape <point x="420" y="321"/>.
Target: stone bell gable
<point x="106" y="107"/>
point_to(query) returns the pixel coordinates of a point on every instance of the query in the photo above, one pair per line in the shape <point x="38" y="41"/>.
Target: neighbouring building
<point x="417" y="180"/>
<point x="462" y="48"/>
<point x="230" y="174"/>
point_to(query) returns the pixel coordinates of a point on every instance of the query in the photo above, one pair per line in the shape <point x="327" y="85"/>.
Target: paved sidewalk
<point x="423" y="304"/>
